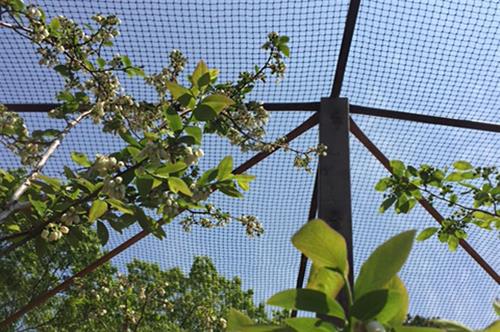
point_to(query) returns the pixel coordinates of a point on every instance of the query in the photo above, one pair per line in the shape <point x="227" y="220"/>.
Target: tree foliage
<point x="156" y="175"/>
<point x="144" y="298"/>
<point x="471" y="193"/>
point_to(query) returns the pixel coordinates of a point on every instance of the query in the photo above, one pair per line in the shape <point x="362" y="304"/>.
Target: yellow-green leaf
<point x="307" y="300"/>
<point x="323" y="245"/>
<point x="178" y="185"/>
<point x="97" y="209"/>
<point x="384" y="263"/>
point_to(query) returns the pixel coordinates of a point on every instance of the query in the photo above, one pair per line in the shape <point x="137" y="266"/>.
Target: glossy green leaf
<point x="195" y="133"/>
<point x="97" y="209"/>
<point x="169" y="168"/>
<point x="200" y="76"/>
<point x="427" y="233"/>
<point x="384" y="263"/>
<point x="81" y="159"/>
<point x="225" y="168"/>
<point x="119" y="205"/>
<point x="102" y="233"/>
<point x="178" y="185"/>
<point x="211" y="106"/>
<point x="307" y="300"/>
<point x="325" y="280"/>
<point x="387" y="203"/>
<point x="181" y="94"/>
<point x="399" y="314"/>
<point x="310" y="325"/>
<point x="370" y="304"/>
<point x="323" y="245"/>
<point x="173" y="119"/>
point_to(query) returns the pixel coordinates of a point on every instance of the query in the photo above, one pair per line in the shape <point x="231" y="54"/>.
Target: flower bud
<point x="53" y="236"/>
<point x="374" y="326"/>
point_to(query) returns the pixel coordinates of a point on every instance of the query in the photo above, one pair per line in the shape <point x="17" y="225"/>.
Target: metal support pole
<point x="334" y="186"/>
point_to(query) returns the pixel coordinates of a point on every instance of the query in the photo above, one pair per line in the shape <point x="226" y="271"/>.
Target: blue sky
<point x="424" y="57"/>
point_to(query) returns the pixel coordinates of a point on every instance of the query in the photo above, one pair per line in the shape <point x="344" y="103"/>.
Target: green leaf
<point x="239" y="322"/>
<point x="496" y="306"/>
<point x="211" y="106"/>
<point x="81" y="159"/>
<point x="181" y="95"/>
<point x="450" y="325"/>
<point x="384" y="263"/>
<point x="370" y="304"/>
<point x="244" y="180"/>
<point x="236" y="319"/>
<point x="102" y="233"/>
<point x="387" y="203"/>
<point x="97" y="209"/>
<point x="208" y="176"/>
<point x="119" y="205"/>
<point x="325" y="280"/>
<point x="13" y="228"/>
<point x="398" y="167"/>
<point x="225" y="168"/>
<point x="310" y="325"/>
<point x="322" y="245"/>
<point x="169" y="168"/>
<point x="453" y="242"/>
<point x="399" y="315"/>
<point x="459" y="176"/>
<point x="200" y="74"/>
<point x="144" y="185"/>
<point x="194" y="132"/>
<point x="54" y="26"/>
<point x="307" y="300"/>
<point x="173" y="119"/>
<point x="17" y="5"/>
<point x="126" y="61"/>
<point x="427" y="233"/>
<point x="66" y="72"/>
<point x="405" y="328"/>
<point x="53" y="182"/>
<point x="40" y="206"/>
<point x="462" y="165"/>
<point x="101" y="62"/>
<point x="178" y="185"/>
<point x="284" y="49"/>
<point x="382" y="184"/>
<point x="230" y="190"/>
<point x="127" y="137"/>
<point x="493" y="327"/>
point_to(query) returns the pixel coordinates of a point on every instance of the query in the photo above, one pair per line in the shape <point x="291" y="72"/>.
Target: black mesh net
<point x="414" y="56"/>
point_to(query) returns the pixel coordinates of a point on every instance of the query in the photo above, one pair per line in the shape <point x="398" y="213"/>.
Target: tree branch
<point x="12" y="205"/>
